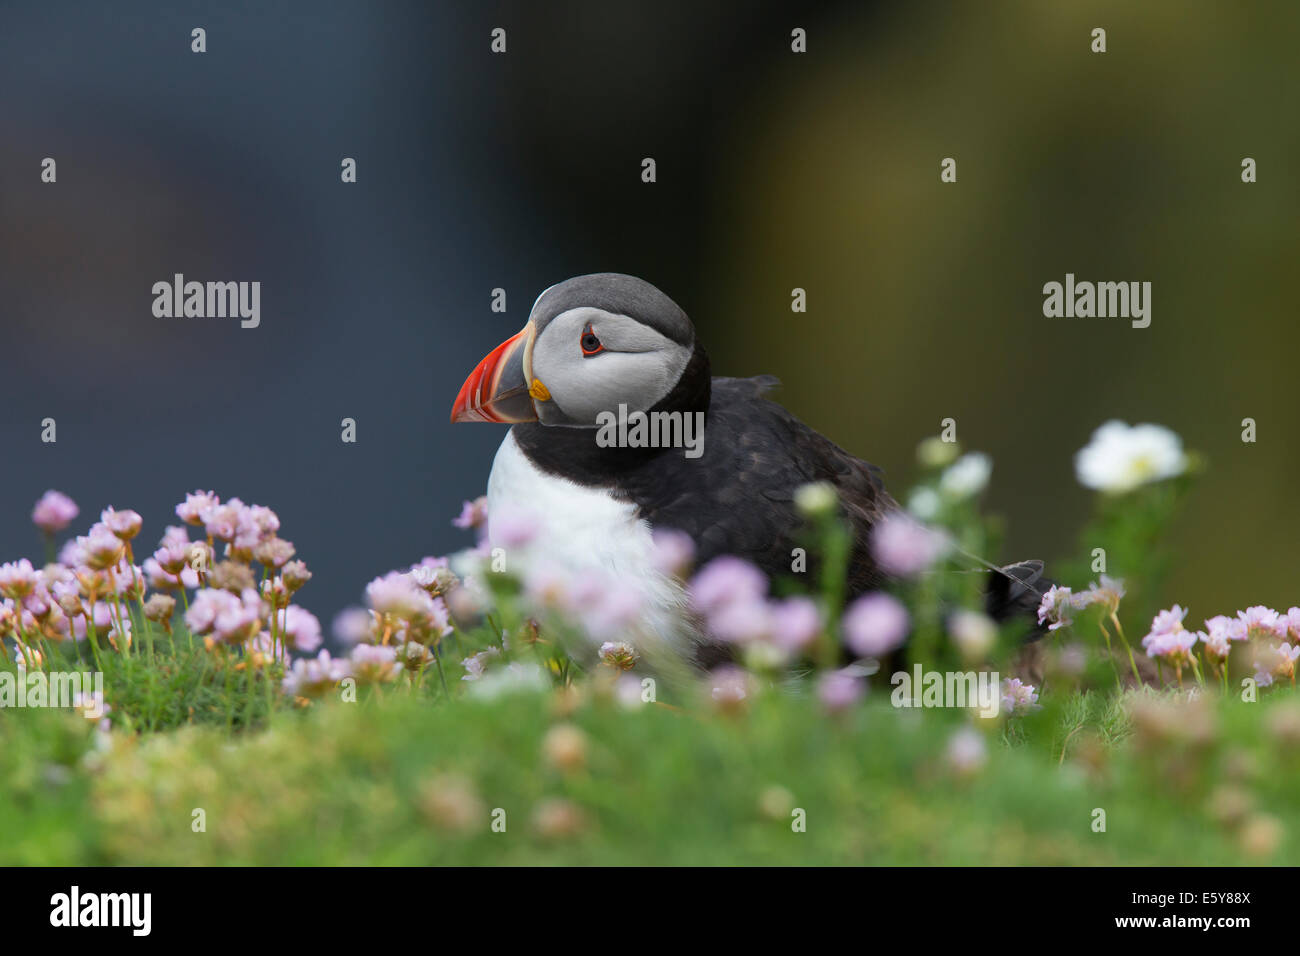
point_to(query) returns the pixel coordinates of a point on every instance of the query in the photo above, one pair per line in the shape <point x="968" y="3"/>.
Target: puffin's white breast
<point x="585" y="531"/>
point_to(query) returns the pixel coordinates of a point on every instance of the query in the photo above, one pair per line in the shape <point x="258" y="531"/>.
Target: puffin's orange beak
<point x="498" y="388"/>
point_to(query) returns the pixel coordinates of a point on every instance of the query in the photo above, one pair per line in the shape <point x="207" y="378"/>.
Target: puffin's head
<point x="591" y="344"/>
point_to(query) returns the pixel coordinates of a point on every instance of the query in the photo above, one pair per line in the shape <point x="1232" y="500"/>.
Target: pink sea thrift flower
<point x="731" y="687"/>
<point x="262" y="646"/>
<point x="547" y="586"/>
<point x="476" y="664"/>
<point x="125" y="524"/>
<point x="39" y="602"/>
<point x="740" y="621"/>
<point x="1220" y="633"/>
<point x="195" y="505"/>
<point x="241" y="619"/>
<point x="101" y="616"/>
<point x="726" y="580"/>
<point x="372" y="664"/>
<point x="68" y="596"/>
<point x="436" y="623"/>
<point x="473" y="514"/>
<point x="172" y="556"/>
<point x="101" y="547"/>
<point x="207" y="606"/>
<point x="314" y="676"/>
<point x="794" y="623"/>
<point x="176" y="536"/>
<point x="128" y="579"/>
<point x="629" y="693"/>
<point x="354" y="625"/>
<point x="1018" y="697"/>
<point x="71" y="554"/>
<point x="414" y="656"/>
<point x="119" y="633"/>
<point x="674" y="552"/>
<point x="222" y="521"/>
<point x="57" y="626"/>
<point x="301" y="629"/>
<point x="1170" y="620"/>
<point x="468" y="600"/>
<point x="1287" y="654"/>
<point x="434" y="576"/>
<point x="618" y="654"/>
<point x="875" y="624"/>
<point x="618" y="608"/>
<point x="54" y="512"/>
<point x="160" y="580"/>
<point x="1275" y="661"/>
<point x="260" y="522"/>
<point x="839" y="690"/>
<point x="967" y="752"/>
<point x="273" y="552"/>
<point x="1175" y="646"/>
<point x="1262" y="621"/>
<point x="1108" y="594"/>
<point x="53" y="574"/>
<point x="255" y="527"/>
<point x="1055" y="607"/>
<point x="1168" y="638"/>
<point x="397" y="594"/>
<point x="903" y="546"/>
<point x="511" y="526"/>
<point x="17" y="579"/>
<point x="1288" y="625"/>
<point x="295" y="575"/>
<point x="25" y="653"/>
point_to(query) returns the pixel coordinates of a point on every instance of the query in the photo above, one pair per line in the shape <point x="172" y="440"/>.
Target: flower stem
<point x="1120" y="631"/>
<point x="1110" y="656"/>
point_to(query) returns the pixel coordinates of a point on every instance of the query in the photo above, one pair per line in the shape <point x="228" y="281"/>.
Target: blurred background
<point x="775" y="170"/>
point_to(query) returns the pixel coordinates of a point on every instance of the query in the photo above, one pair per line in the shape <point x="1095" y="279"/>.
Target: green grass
<point x="413" y="779"/>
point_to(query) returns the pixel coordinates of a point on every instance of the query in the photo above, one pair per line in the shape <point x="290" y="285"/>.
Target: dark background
<point x="775" y="170"/>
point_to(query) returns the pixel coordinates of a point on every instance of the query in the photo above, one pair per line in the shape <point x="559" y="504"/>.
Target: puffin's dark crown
<point x="620" y="294"/>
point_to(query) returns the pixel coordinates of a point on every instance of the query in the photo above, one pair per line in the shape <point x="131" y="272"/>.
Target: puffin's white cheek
<point x="636" y="381"/>
<point x="586" y="393"/>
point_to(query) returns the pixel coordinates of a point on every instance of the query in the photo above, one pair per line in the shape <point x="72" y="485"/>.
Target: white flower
<point x="967" y="752"/>
<point x="973" y="633"/>
<point x="476" y="664"/>
<point x="934" y="452"/>
<point x="1119" y="458"/>
<point x="967" y="476"/>
<point x="924" y="503"/>
<point x="516" y="677"/>
<point x="816" y="499"/>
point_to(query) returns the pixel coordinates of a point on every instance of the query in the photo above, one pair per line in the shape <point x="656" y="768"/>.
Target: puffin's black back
<point x="738" y="498"/>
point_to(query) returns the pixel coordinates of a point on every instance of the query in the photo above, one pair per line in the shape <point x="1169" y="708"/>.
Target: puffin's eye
<point x="590" y="344"/>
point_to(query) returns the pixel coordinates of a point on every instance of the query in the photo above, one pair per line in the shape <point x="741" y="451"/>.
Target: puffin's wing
<point x="815" y="457"/>
<point x="757" y="455"/>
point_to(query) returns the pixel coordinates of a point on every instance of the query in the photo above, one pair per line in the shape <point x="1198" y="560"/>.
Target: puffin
<point x="609" y="343"/>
